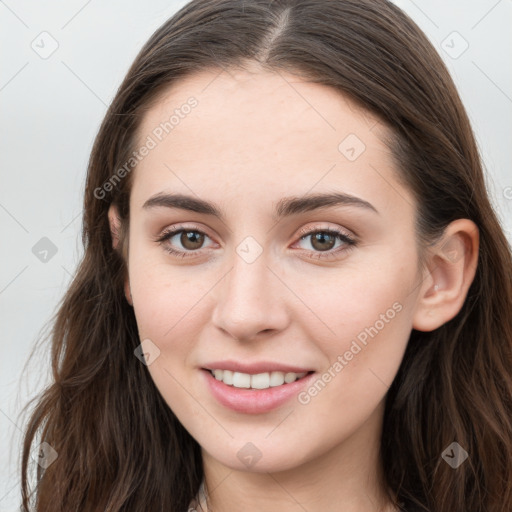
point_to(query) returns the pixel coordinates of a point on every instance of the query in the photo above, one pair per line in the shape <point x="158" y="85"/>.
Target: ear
<point x="115" y="225"/>
<point x="450" y="270"/>
<point x="115" y="230"/>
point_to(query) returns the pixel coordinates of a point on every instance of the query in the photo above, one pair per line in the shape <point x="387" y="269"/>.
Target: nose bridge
<point x="248" y="299"/>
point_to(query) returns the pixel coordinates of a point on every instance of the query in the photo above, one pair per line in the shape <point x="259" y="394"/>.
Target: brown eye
<point x="191" y="240"/>
<point x="182" y="241"/>
<point x="323" y="241"/>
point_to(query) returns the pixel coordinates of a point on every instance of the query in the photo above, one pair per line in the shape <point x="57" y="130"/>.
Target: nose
<point x="250" y="300"/>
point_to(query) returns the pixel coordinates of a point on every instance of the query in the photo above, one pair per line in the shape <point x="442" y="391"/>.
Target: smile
<point x="257" y="381"/>
<point x="255" y="393"/>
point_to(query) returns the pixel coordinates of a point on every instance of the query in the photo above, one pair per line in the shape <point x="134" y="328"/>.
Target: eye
<point x="190" y="238"/>
<point x="323" y="240"/>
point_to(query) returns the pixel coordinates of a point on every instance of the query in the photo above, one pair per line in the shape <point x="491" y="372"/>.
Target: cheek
<point x="170" y="313"/>
<point x="361" y="364"/>
<point x="351" y="298"/>
<point x="164" y="294"/>
<point x="167" y="305"/>
<point x="367" y="317"/>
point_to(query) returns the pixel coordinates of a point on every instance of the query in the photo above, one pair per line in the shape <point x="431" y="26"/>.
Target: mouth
<point x="264" y="380"/>
<point x="255" y="393"/>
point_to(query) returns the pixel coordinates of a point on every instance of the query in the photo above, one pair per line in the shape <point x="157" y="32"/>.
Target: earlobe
<point x="451" y="268"/>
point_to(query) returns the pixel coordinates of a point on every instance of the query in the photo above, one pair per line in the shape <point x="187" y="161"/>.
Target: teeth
<point x="257" y="381"/>
<point x="276" y="379"/>
<point x="241" y="380"/>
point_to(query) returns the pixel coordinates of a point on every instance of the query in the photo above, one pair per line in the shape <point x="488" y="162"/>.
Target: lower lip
<point x="254" y="401"/>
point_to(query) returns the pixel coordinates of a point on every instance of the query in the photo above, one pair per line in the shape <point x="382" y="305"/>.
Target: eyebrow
<point x="285" y="207"/>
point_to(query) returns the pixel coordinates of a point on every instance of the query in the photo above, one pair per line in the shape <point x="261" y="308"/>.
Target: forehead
<point x="260" y="132"/>
<point x="258" y="102"/>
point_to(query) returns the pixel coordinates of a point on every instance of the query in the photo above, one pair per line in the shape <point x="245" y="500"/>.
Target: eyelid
<point x="181" y="227"/>
<point x="328" y="229"/>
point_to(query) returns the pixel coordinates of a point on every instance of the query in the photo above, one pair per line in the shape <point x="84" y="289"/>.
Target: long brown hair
<point x="119" y="446"/>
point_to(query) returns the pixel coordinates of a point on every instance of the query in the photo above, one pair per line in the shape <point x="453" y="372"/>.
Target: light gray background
<point x="52" y="108"/>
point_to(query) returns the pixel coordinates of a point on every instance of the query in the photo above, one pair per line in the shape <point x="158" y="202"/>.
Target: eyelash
<point x="348" y="240"/>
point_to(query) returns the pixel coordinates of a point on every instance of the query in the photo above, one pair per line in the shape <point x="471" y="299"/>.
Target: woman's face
<point x="257" y="284"/>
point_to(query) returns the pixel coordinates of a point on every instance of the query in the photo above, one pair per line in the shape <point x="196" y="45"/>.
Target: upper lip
<point x="255" y="367"/>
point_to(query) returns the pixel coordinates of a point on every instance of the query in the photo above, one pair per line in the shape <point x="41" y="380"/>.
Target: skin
<point x="254" y="138"/>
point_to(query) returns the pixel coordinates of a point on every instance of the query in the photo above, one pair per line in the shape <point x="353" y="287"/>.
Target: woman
<point x="295" y="294"/>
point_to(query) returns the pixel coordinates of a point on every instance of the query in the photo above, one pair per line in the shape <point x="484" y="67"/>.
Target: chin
<point x="259" y="457"/>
